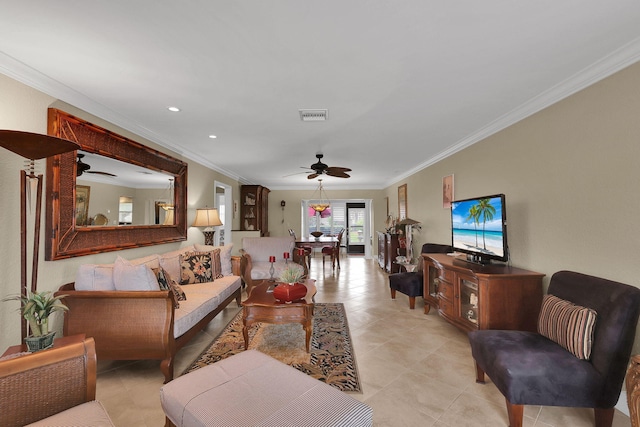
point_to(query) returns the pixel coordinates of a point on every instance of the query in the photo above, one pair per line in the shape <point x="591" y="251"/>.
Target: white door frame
<point x="228" y="211"/>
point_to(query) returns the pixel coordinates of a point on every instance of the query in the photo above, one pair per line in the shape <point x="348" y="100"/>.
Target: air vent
<point x="314" y="115"/>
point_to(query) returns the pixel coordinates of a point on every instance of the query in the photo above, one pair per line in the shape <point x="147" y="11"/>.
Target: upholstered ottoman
<point x="253" y="389"/>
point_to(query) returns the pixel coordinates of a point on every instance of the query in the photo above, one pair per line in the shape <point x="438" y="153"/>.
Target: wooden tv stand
<point x="472" y="296"/>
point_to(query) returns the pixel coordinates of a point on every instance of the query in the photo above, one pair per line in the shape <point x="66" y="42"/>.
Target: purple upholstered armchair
<point x="530" y="369"/>
<point x="410" y="283"/>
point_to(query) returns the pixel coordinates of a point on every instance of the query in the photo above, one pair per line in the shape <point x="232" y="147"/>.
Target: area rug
<point x="331" y="358"/>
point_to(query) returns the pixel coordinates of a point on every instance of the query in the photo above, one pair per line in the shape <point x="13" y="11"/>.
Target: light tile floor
<point x="416" y="369"/>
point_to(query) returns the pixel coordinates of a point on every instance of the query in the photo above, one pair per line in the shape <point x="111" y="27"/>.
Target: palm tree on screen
<point x="474" y="214"/>
<point x="487" y="211"/>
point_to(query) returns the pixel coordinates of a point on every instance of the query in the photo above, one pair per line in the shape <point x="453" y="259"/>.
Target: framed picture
<point x="402" y="202"/>
<point x="447" y="191"/>
<point x="82" y="205"/>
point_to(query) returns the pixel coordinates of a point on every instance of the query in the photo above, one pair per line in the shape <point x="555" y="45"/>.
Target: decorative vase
<point x="39" y="343"/>
<point x="288" y="292"/>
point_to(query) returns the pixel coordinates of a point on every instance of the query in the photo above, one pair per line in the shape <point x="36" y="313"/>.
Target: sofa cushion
<point x="225" y="256"/>
<point x="195" y="267"/>
<point x="129" y="277"/>
<point x="567" y="324"/>
<point x="170" y="261"/>
<point x="95" y="277"/>
<point x="88" y="414"/>
<point x="151" y="261"/>
<point x="261" y="248"/>
<point x="202" y="299"/>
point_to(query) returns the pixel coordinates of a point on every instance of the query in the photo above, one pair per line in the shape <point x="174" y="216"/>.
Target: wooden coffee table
<point x="261" y="306"/>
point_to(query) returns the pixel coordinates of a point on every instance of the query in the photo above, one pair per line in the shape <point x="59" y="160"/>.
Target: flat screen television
<point x="479" y="228"/>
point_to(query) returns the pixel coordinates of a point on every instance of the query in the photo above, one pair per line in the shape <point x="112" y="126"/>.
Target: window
<point x="329" y="223"/>
<point x="125" y="211"/>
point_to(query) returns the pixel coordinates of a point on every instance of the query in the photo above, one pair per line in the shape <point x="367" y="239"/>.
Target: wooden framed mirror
<point x="65" y="238"/>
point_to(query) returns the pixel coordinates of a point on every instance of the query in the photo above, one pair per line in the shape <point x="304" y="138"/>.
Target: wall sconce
<point x="209" y="218"/>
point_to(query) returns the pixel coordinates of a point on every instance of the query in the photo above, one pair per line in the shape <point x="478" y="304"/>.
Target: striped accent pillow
<point x="567" y="324"/>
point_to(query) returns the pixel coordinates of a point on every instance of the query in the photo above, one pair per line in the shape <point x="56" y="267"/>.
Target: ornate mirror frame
<point x="64" y="239"/>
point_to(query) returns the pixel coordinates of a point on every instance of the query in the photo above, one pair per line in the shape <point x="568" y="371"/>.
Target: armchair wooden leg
<point x="515" y="414"/>
<point x="479" y="374"/>
<point x="393" y="293"/>
<point x="604" y="416"/>
<point x="412" y="303"/>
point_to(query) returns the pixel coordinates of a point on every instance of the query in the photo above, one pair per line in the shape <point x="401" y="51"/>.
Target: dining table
<point x="318" y="242"/>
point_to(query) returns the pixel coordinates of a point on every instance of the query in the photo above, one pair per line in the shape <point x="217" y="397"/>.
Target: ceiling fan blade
<point x="337" y="174"/>
<point x="101" y="173"/>
<point x="338" y="169"/>
<point x="296" y="173"/>
<point x="313" y="175"/>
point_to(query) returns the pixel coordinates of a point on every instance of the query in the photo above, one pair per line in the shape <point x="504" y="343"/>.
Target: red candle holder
<point x="272" y="258"/>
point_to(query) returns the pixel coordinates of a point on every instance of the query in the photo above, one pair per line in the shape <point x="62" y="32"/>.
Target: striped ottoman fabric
<point x="253" y="389"/>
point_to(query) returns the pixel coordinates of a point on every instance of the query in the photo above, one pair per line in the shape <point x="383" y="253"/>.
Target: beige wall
<point x="280" y="221"/>
<point x="23" y="108"/>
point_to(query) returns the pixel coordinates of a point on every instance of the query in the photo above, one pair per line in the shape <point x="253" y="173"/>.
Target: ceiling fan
<point x="320" y="168"/>
<point x="82" y="167"/>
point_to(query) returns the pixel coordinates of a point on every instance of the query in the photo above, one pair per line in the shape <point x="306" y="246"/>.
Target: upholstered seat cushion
<point x="408" y="283"/>
<point x="89" y="414"/>
<point x="529" y="364"/>
<point x="253" y="389"/>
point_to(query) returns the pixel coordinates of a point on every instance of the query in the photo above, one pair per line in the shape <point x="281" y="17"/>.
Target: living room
<point x="569" y="172"/>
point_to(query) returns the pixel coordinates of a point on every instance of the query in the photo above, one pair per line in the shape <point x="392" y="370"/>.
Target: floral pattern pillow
<point x="178" y="293"/>
<point x="195" y="267"/>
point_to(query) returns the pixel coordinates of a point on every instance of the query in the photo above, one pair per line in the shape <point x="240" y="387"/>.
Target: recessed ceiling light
<point x="212" y="136"/>
<point x="174" y="109"/>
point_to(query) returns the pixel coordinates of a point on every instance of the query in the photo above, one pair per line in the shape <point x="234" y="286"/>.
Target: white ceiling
<point x="406" y="82"/>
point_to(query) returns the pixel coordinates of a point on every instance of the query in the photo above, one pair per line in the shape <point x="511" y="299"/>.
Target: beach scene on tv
<point x="477" y="225"/>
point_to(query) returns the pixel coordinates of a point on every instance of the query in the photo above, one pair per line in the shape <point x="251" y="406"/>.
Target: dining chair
<point x="333" y="251"/>
<point x="308" y="250"/>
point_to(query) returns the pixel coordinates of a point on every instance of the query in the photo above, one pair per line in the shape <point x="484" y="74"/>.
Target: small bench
<point x="253" y="389"/>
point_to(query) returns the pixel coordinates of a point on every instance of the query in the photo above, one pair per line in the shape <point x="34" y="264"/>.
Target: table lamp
<point x="209" y="218"/>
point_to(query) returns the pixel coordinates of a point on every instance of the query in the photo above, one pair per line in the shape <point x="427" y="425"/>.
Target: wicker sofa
<point x="147" y="324"/>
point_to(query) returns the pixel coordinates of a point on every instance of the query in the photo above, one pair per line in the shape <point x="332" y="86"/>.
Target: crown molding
<point x="21" y="72"/>
<point x="605" y="67"/>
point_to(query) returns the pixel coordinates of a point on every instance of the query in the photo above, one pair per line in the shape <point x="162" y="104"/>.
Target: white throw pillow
<point x="129" y="277"/>
<point x="171" y="261"/>
<point x="151" y="261"/>
<point x="95" y="277"/>
<point x="225" y="256"/>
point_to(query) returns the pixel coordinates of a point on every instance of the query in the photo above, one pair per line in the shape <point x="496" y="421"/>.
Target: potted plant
<point x="289" y="287"/>
<point x="36" y="307"/>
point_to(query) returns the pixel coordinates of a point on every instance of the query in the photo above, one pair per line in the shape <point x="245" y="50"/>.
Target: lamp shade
<point x="206" y="217"/>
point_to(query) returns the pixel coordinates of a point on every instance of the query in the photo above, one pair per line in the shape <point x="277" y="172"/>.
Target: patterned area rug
<point x="331" y="358"/>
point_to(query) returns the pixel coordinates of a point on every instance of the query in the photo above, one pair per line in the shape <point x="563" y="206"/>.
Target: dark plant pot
<point x="286" y="292"/>
<point x="39" y="343"/>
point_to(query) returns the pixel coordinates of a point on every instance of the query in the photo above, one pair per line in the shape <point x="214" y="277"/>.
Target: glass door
<point x="355" y="236"/>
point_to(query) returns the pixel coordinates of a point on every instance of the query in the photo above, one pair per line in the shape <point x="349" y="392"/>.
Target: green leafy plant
<point x="36" y="307"/>
<point x="292" y="273"/>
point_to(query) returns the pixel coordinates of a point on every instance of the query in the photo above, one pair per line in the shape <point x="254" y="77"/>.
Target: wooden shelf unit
<point x="254" y="209"/>
<point x="388" y="249"/>
<point x="471" y="296"/>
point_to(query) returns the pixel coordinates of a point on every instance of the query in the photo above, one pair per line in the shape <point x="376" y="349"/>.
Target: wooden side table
<point x="261" y="306"/>
<point x="58" y="342"/>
